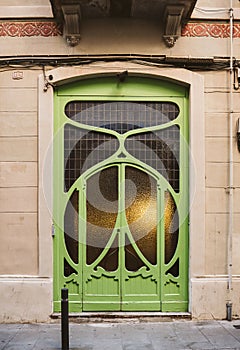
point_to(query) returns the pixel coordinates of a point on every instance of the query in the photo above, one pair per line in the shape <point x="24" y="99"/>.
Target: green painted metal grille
<point x="121" y="197"/>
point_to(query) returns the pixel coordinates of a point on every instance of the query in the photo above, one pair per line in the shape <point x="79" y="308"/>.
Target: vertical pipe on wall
<point x="230" y="187"/>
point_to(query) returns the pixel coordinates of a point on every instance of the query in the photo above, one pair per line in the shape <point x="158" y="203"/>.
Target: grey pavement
<point x="124" y="335"/>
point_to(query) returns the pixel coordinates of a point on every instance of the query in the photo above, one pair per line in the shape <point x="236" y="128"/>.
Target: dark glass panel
<point x="141" y="211"/>
<point x="174" y="270"/>
<point x="68" y="269"/>
<point x="122" y="116"/>
<point x="71" y="227"/>
<point x="110" y="260"/>
<point x="102" y="210"/>
<point x="160" y="150"/>
<point x="84" y="149"/>
<point x="171" y="227"/>
<point x="132" y="260"/>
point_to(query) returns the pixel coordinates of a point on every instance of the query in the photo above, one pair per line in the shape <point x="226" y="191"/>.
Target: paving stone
<point x="178" y="335"/>
<point x="170" y="343"/>
<point x="108" y="345"/>
<point x="219" y="336"/>
<point x="138" y="346"/>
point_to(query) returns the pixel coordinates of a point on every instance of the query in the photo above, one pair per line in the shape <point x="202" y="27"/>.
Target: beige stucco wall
<point x="217" y="156"/>
<point x="18" y="174"/>
<point x="209" y="294"/>
<point x="26" y="296"/>
<point x="25" y="264"/>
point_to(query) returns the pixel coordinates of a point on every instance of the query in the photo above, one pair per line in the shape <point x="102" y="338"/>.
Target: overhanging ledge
<point x="172" y="14"/>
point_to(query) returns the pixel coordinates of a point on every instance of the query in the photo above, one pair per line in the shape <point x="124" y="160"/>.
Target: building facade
<point x="120" y="163"/>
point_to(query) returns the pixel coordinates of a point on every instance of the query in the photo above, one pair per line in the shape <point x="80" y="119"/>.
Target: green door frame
<point x="173" y="290"/>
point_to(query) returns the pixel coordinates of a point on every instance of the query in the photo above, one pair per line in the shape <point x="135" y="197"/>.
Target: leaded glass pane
<point x="160" y="150"/>
<point x="141" y="214"/>
<point x="71" y="227"/>
<point x="102" y="210"/>
<point x="122" y="116"/>
<point x="83" y="149"/>
<point x="171" y="226"/>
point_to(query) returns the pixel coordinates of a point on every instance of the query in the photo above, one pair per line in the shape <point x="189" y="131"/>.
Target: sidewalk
<point x="124" y="335"/>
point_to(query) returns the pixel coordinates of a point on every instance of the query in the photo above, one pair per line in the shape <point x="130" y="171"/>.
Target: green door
<point x="121" y="195"/>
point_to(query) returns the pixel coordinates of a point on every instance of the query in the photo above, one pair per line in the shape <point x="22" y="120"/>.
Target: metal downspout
<point x="230" y="186"/>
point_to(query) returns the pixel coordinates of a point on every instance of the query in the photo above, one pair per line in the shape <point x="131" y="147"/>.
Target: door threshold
<point x="111" y="316"/>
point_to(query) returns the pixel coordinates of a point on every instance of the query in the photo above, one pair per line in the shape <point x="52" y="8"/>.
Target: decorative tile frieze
<point x="28" y="29"/>
<point x="213" y="30"/>
<point x="48" y="29"/>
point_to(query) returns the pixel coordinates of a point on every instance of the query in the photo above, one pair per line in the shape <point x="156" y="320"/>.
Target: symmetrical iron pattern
<point x="122" y="241"/>
<point x="120" y="174"/>
<point x="159" y="149"/>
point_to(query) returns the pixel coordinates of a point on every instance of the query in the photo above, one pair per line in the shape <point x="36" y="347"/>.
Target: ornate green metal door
<point x="121" y="195"/>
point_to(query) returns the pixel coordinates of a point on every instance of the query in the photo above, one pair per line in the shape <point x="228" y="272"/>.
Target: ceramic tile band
<point x="47" y="29"/>
<point x="28" y="29"/>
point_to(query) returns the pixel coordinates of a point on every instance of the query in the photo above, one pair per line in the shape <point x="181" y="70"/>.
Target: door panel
<point x="101" y="271"/>
<point x="141" y="267"/>
<point x="121" y="241"/>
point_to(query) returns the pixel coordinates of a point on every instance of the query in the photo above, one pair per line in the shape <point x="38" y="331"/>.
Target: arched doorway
<point x="121" y="195"/>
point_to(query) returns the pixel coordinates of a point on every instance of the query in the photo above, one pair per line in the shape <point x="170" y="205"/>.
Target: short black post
<point x="229" y="311"/>
<point x="64" y="319"/>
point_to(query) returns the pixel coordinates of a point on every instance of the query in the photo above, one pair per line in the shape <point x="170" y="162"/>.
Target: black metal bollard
<point x="229" y="311"/>
<point x="64" y="319"/>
